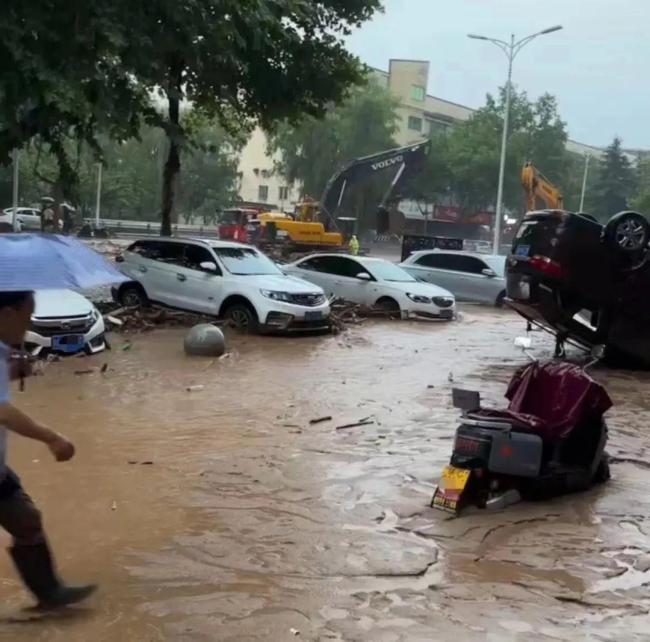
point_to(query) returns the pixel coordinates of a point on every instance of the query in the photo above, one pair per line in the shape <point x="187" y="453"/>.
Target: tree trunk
<point x="172" y="168"/>
<point x="173" y="163"/>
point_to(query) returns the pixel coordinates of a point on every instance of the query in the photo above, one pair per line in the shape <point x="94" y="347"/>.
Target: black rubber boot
<point x="36" y="568"/>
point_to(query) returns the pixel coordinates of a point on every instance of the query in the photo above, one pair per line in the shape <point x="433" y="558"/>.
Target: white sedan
<point x="374" y="282"/>
<point x="65" y="322"/>
<point x="29" y="218"/>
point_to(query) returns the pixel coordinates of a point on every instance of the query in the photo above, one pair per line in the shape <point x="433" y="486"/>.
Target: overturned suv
<point x="586" y="282"/>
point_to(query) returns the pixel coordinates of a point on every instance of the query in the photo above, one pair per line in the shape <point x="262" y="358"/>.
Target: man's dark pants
<point x="18" y="515"/>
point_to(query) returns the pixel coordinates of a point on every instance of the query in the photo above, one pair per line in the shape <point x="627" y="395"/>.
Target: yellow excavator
<point x="304" y="228"/>
<point x="317" y="224"/>
<point x="537" y="186"/>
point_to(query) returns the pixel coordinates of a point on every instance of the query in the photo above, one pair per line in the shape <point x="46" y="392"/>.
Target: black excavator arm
<point x="402" y="163"/>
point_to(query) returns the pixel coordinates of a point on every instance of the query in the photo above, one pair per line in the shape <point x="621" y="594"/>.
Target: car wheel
<point x="242" y="317"/>
<point x="628" y="232"/>
<point x="133" y="296"/>
<point x="388" y="305"/>
<point x="500" y="299"/>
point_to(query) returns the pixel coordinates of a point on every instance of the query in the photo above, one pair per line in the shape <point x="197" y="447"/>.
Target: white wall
<point x="256" y="169"/>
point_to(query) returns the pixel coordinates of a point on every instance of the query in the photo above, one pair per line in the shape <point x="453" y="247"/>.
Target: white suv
<point x="220" y="278"/>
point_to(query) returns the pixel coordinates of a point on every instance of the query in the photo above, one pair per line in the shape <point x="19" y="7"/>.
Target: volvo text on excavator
<point x="537" y="186"/>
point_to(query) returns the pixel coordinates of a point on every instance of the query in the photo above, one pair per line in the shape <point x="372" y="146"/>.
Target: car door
<point x="479" y="286"/>
<point x="436" y="268"/>
<point x="139" y="264"/>
<point x="30" y="219"/>
<point x="312" y="270"/>
<point x="197" y="288"/>
<point x="341" y="278"/>
<point x="157" y="270"/>
<point x="466" y="274"/>
<point x="458" y="273"/>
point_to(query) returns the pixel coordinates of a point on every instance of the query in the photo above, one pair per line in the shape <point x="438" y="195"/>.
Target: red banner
<point x="483" y="217"/>
<point x="446" y="213"/>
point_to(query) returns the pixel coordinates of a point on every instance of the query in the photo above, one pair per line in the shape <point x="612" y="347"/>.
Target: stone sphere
<point x="205" y="340"/>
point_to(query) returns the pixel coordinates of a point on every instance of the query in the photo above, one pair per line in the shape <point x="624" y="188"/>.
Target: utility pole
<point x="584" y="182"/>
<point x="14" y="200"/>
<point x="99" y="194"/>
<point x="510" y="49"/>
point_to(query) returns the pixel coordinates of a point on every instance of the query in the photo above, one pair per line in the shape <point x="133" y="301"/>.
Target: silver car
<point x="469" y="276"/>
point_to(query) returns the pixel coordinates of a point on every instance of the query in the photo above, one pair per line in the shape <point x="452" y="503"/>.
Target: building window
<point x="263" y="193"/>
<point x="436" y="127"/>
<point x="415" y="123"/>
<point x="417" y="93"/>
<point x="283" y="193"/>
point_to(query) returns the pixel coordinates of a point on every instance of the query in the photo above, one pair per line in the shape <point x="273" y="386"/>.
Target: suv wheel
<point x="242" y="317"/>
<point x="133" y="295"/>
<point x="628" y="232"/>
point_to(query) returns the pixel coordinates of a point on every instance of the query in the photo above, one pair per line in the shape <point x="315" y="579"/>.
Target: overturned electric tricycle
<point x="549" y="441"/>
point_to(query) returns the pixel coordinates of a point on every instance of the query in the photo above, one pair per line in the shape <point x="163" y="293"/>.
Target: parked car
<point x="584" y="281"/>
<point x="220" y="278"/>
<point x="374" y="282"/>
<point x="469" y="276"/>
<point x="65" y="322"/>
<point x="29" y="218"/>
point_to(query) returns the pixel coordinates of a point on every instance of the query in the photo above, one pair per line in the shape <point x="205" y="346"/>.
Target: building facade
<point x="259" y="180"/>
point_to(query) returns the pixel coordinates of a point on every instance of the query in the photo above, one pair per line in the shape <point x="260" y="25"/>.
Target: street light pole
<point x="498" y="215"/>
<point x="584" y="183"/>
<point x="510" y="49"/>
<point x="14" y="200"/>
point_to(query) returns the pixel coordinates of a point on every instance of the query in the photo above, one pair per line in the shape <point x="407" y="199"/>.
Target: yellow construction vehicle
<point x="319" y="225"/>
<point x="300" y="231"/>
<point x="537" y="186"/>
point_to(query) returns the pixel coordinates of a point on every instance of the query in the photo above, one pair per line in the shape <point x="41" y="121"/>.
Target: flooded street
<point x="222" y="514"/>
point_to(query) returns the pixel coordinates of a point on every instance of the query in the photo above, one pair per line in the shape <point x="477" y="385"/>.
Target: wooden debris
<point x="356" y="424"/>
<point x="145" y="319"/>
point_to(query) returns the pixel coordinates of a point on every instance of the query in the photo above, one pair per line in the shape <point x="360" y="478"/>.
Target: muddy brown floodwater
<point x="251" y="524"/>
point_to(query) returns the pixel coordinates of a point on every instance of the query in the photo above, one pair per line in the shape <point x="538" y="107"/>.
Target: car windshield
<point x="245" y="261"/>
<point x="230" y="217"/>
<point x="385" y="271"/>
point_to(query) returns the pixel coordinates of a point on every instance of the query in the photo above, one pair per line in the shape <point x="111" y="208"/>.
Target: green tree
<point x="615" y="184"/>
<point x="72" y="69"/>
<point x="641" y="200"/>
<point x="132" y="177"/>
<point x="313" y="149"/>
<point x="466" y="163"/>
<point x="62" y="77"/>
<point x="241" y="61"/>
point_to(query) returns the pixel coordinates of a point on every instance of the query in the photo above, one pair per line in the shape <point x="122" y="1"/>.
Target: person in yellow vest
<point x="353" y="245"/>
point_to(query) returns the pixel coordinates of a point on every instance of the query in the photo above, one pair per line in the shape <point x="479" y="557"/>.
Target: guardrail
<point x="153" y="227"/>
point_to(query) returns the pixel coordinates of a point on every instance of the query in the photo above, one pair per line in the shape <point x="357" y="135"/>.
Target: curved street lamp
<point x="510" y="49"/>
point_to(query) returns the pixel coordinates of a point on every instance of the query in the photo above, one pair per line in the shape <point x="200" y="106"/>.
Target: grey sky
<point x="597" y="67"/>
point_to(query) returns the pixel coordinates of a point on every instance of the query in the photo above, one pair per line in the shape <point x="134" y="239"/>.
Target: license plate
<point x="313" y="316"/>
<point x="446" y="314"/>
<point x="68" y="342"/>
<point x="522" y="250"/>
<point x="450" y="489"/>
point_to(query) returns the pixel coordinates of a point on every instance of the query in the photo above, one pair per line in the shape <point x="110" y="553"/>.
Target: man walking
<point x="18" y="515"/>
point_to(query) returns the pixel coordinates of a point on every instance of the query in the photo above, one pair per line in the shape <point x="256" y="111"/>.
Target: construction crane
<point x="537" y="186"/>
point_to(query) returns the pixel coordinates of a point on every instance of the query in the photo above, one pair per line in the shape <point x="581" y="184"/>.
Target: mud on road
<point x="222" y="514"/>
